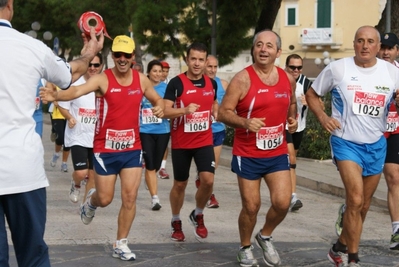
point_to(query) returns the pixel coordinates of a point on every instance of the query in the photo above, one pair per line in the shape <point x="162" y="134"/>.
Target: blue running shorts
<point x="256" y="168"/>
<point x="113" y="163"/>
<point x="370" y="157"/>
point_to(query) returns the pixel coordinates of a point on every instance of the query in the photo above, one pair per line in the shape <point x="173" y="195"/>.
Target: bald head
<point x="211" y="66"/>
<point x="366" y="45"/>
<point x="368" y="29"/>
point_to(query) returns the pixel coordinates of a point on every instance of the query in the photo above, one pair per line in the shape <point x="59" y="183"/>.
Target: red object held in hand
<point x="92" y="19"/>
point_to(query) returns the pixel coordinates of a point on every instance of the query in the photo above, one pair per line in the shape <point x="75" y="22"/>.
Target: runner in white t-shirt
<point x="81" y="117"/>
<point x="362" y="87"/>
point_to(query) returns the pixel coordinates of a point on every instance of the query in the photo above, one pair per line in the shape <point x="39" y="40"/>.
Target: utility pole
<point x="213" y="34"/>
<point x="388" y="17"/>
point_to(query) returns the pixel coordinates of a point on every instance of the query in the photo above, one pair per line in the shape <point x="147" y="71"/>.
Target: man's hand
<point x="191" y="108"/>
<point x="71" y="122"/>
<point x="330" y="124"/>
<point x="292" y="125"/>
<point x="303" y="100"/>
<point x="157" y="111"/>
<point x="254" y="124"/>
<point x="397" y="98"/>
<point x="91" y="46"/>
<point x="48" y="94"/>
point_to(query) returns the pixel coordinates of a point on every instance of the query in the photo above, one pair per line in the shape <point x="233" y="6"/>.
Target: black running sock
<point x="245" y="247"/>
<point x="338" y="246"/>
<point x="353" y="257"/>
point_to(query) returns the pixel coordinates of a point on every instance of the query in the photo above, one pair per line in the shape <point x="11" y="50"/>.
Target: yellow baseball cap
<point x="123" y="43"/>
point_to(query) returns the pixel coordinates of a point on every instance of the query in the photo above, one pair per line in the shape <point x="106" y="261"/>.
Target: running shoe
<point x="87" y="211"/>
<point x="197" y="221"/>
<point x="353" y="264"/>
<point x="177" y="232"/>
<point x="212" y="202"/>
<point x="54" y="159"/>
<point x="64" y="167"/>
<point x="339" y="223"/>
<point x="394" y="244"/>
<point x="296" y="205"/>
<point x="74" y="193"/>
<point x="270" y="254"/>
<point x="339" y="258"/>
<point x="155" y="204"/>
<point x="163" y="174"/>
<point x="246" y="258"/>
<point x="122" y="251"/>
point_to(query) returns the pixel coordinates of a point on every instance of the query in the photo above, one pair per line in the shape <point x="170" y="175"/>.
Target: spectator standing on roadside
<point x="23" y="179"/>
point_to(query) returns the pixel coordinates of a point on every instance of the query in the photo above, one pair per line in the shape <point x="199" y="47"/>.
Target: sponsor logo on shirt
<point x="354" y="87"/>
<point x="116" y="90"/>
<point x="133" y="91"/>
<point x="354" y="79"/>
<point x="382" y="89"/>
<point x="282" y="95"/>
<point x="260" y="91"/>
<point x="191" y="91"/>
<point x="206" y="93"/>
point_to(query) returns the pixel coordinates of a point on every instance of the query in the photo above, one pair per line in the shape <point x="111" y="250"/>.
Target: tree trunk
<point x="268" y="14"/>
<point x="394" y="19"/>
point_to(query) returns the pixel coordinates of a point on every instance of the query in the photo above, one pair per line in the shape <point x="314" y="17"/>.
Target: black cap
<point x="389" y="39"/>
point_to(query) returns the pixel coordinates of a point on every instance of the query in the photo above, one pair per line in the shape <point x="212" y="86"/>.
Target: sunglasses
<point x="120" y="54"/>
<point x="96" y="65"/>
<point x="295" y="67"/>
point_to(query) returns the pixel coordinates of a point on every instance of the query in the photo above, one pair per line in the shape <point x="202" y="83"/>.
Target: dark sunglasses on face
<point x="295" y="67"/>
<point x="119" y="54"/>
<point x="96" y="65"/>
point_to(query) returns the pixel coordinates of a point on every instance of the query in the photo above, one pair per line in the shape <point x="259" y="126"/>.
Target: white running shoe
<point x="122" y="251"/>
<point x="87" y="211"/>
<point x="155" y="204"/>
<point x="54" y="159"/>
<point x="74" y="193"/>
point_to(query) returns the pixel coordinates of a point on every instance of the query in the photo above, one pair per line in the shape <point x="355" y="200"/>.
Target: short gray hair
<point x="3" y="3"/>
<point x="278" y="43"/>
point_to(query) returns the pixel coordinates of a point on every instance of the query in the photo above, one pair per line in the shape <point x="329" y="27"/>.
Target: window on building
<point x="323" y="13"/>
<point x="291" y="13"/>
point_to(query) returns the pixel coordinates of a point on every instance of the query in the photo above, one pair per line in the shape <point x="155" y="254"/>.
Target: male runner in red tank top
<point x="117" y="145"/>
<point x="190" y="100"/>
<point x="259" y="101"/>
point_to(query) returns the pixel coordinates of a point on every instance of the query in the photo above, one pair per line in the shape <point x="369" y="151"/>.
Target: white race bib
<point x="119" y="140"/>
<point x="196" y="122"/>
<point x="87" y="116"/>
<point x="392" y="121"/>
<point x="270" y="137"/>
<point x="148" y="117"/>
<point x="368" y="104"/>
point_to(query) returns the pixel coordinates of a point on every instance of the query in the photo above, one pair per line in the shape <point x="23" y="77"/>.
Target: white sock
<point x="293" y="197"/>
<point x="154" y="196"/>
<point x="395" y="226"/>
<point x="163" y="164"/>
